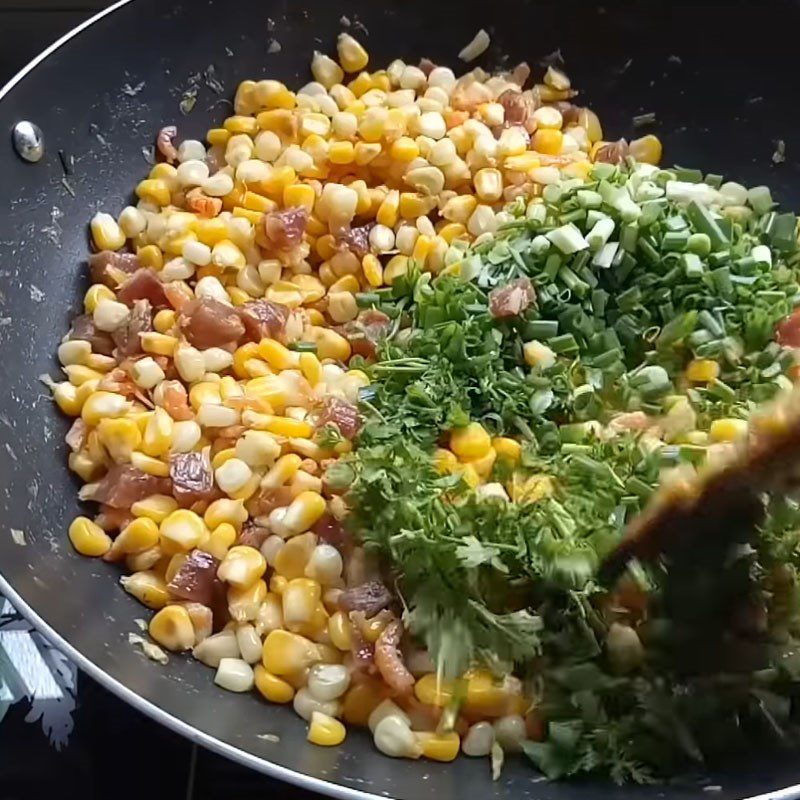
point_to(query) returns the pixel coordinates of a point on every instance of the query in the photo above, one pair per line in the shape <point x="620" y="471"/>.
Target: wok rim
<point x="141" y="703"/>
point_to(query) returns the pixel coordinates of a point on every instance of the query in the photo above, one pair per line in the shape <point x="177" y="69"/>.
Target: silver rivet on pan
<point x="28" y="141"/>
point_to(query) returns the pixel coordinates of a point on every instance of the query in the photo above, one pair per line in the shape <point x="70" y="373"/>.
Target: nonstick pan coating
<point x="718" y="78"/>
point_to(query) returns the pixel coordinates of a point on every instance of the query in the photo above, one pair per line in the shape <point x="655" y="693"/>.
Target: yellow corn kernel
<point x="241" y="124"/>
<point x="211" y="231"/>
<point x="484" y="464"/>
<point x="282" y="471"/>
<point x="422" y="248"/>
<point x="79" y="374"/>
<point x="432" y="690"/>
<point x="271" y="687"/>
<point x="253" y="201"/>
<point x="285" y="653"/>
<point x="299" y="195"/>
<point x="88" y="538"/>
<point x="148" y="587"/>
<point x="326" y="731"/>
<point x="452" y="231"/>
<point x="365" y="152"/>
<point x="243" y="604"/>
<point x="278" y="356"/>
<point x="227" y="511"/>
<point x="204" y="392"/>
<point x="157" y="507"/>
<point x="241" y="356"/>
<point x="292" y="558"/>
<point x="524" y="162"/>
<point x="311" y="368"/>
<point x="154" y="191"/>
<point x="150" y="465"/>
<point x="341" y="153"/>
<point x="303" y="512"/>
<point x="469" y="475"/>
<point x="174" y="565"/>
<point x="254" y="217"/>
<point x="150" y="256"/>
<point x="397" y="266"/>
<point x="120" y="437"/>
<point x="646" y="150"/>
<point x="404" y="149"/>
<point x="347" y="283"/>
<point x="444" y="461"/>
<point x="220" y="540"/>
<point x="702" y="370"/>
<point x="181" y="531"/>
<point x="83" y="465"/>
<point x="439" y="746"/>
<point x="330" y="344"/>
<point x="218" y="136"/>
<point x="389" y="209"/>
<point x="158" y="433"/>
<point x="506" y="448"/>
<point x="103" y="405"/>
<point x="547" y="141"/>
<point x="460" y="208"/>
<point x="727" y="429"/>
<point x="361" y="700"/>
<point x="94" y="294"/>
<point x="352" y="56"/>
<point x="360" y="84"/>
<point x="372" y="269"/>
<point x="221" y="456"/>
<point x="311" y="287"/>
<point x="414" y="205"/>
<point x="158" y="343"/>
<point x="285" y="426"/>
<point x="137" y="536"/>
<point x="242" y="566"/>
<point x="164" y="320"/>
<point x="471" y="441"/>
<point x="340" y="631"/>
<point x="172" y="628"/>
<point x="300" y="599"/>
<point x="326" y="247"/>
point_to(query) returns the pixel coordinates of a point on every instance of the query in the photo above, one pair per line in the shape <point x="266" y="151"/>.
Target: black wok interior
<point x="718" y="78"/>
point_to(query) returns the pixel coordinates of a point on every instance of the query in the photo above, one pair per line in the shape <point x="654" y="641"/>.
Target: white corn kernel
<point x="344" y="124"/>
<point x="177" y="269"/>
<point x="190" y="363"/>
<point x="325" y="564"/>
<point x="249" y="643"/>
<point x="192" y="173"/>
<point x="210" y="287"/>
<point x="216" y="647"/>
<point x="252" y="171"/>
<point x="443" y="77"/>
<point x="132" y="221"/>
<point x="443" y="153"/>
<point x="191" y="150"/>
<point x="233" y="474"/>
<point x="146" y="373"/>
<point x="110" y="315"/>
<point x="337" y="202"/>
<point x="268" y="146"/>
<point x="328" y="681"/>
<point x="405" y="239"/>
<point x="394" y="738"/>
<point x="218" y="185"/>
<point x="510" y="732"/>
<point x="215" y="359"/>
<point x="271" y="547"/>
<point x="213" y="415"/>
<point x="413" y="78"/>
<point x="548" y="117"/>
<point x="381" y="239"/>
<point x="305" y="704"/>
<point x="545" y="175"/>
<point x="488" y="185"/>
<point x="432" y="124"/>
<point x="482" y="221"/>
<point x="269" y="270"/>
<point x="386" y="708"/>
<point x="258" y="449"/>
<point x="479" y="740"/>
<point x="235" y="675"/>
<point x="326" y="70"/>
<point x="197" y="252"/>
<point x="74" y="351"/>
<point x="186" y="434"/>
<point x="426" y="180"/>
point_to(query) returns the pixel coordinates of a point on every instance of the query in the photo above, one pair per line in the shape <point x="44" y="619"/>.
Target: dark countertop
<point x="61" y="734"/>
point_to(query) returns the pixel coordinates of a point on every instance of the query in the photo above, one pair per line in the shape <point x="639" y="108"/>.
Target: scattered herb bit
<point x="18" y="537"/>
<point x="149" y="649"/>
<point x="132" y="91"/>
<point x="66" y="184"/>
<point x="188" y="101"/>
<point x="67" y="162"/>
<point x="274" y="46"/>
<point x="269" y="737"/>
<point x="149" y="153"/>
<point x="779" y="156"/>
<point x="644" y="119"/>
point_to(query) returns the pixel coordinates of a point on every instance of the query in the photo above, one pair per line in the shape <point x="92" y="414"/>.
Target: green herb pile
<point x="636" y="273"/>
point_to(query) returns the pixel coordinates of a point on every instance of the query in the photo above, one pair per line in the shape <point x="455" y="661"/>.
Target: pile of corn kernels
<point x="196" y="428"/>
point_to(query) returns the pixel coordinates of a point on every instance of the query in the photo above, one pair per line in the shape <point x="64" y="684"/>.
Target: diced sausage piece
<point x="366" y="331"/>
<point x="284" y="229"/>
<point x="194" y="581"/>
<point x="388" y="661"/>
<point x="253" y="535"/>
<point x="270" y="499"/>
<point x="192" y="478"/>
<point x="612" y="153"/>
<point x="127" y="338"/>
<point x="329" y="530"/>
<point x="124" y="485"/>
<point x="427" y="66"/>
<point x="263" y="319"/>
<point x="83" y="328"/>
<point x="165" y="143"/>
<point x="370" y="598"/>
<point x="206" y="322"/>
<point x="519" y="107"/>
<point x="356" y="240"/>
<point x="511" y="300"/>
<point x="110" y="268"/>
<point x="76" y="435"/>
<point x="787" y="331"/>
<point x="341" y="413"/>
<point x="143" y="285"/>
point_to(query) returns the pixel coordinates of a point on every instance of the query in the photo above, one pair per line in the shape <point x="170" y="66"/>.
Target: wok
<point x="717" y="78"/>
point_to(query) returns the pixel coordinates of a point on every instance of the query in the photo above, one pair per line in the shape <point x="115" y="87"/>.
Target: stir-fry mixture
<point x="367" y="387"/>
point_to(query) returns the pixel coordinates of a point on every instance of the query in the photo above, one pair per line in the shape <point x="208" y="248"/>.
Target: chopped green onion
<point x="699" y="244"/>
<point x="704" y="223"/>
<point x="304" y="347"/>
<point x="367" y="299"/>
<point x="565" y="343"/>
<point x="568" y="239"/>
